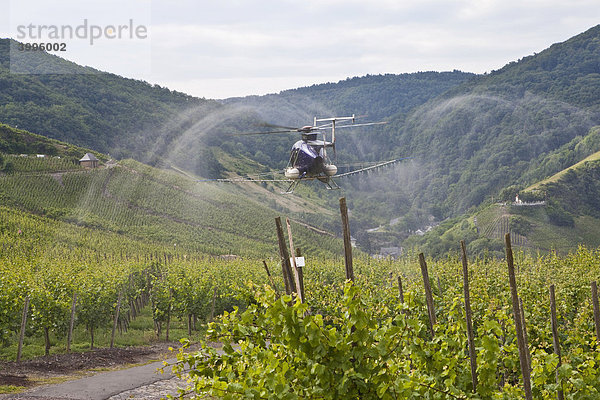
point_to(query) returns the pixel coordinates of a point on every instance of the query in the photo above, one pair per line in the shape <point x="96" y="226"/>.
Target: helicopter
<point x="310" y="157"/>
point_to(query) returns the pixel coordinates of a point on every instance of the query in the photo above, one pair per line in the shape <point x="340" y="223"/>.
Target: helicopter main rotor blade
<point x="305" y="129"/>
<point x="293" y="130"/>
<point x="267" y="125"/>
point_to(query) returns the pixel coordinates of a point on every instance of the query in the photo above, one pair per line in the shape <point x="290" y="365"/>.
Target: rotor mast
<point x="333" y="121"/>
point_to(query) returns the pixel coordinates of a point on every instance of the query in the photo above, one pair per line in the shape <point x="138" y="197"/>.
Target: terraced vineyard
<point x="494" y="223"/>
<point x="150" y="237"/>
<point x="94" y="249"/>
<point x="141" y="202"/>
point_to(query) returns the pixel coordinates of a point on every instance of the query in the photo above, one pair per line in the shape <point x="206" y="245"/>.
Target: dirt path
<point x="80" y="379"/>
<point x="100" y="386"/>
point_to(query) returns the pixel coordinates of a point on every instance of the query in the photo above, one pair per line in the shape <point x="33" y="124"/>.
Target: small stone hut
<point x="89" y="161"/>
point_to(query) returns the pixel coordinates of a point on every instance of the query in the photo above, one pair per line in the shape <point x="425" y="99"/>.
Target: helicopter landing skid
<point x="328" y="181"/>
<point x="292" y="186"/>
<point x="331" y="184"/>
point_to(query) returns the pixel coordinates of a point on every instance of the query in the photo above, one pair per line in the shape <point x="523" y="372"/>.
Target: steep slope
<point x="567" y="156"/>
<point x="144" y="204"/>
<point x="492" y="131"/>
<point x="99" y="110"/>
<point x="372" y="98"/>
<point x="559" y="213"/>
<point x="19" y="141"/>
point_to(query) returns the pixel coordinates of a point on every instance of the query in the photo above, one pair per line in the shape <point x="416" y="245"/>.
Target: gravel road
<point x="142" y="382"/>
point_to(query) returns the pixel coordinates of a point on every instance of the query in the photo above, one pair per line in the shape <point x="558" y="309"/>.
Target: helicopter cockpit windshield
<point x="305" y="158"/>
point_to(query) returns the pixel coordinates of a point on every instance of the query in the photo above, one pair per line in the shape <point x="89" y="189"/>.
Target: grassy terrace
<point x="557" y="176"/>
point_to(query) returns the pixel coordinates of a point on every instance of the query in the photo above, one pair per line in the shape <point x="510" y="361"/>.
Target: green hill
<point x="142" y="203"/>
<point x="558" y="175"/>
<point x="85" y="107"/>
<point x="106" y="112"/>
<point x="559" y="213"/>
<point x="471" y="138"/>
<point x="19" y="141"/>
<point x="494" y="131"/>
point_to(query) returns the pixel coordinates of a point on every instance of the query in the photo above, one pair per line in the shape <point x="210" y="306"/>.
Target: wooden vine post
<point x="285" y="258"/>
<point x="468" y="316"/>
<point x="400" y="289"/>
<point x="517" y="317"/>
<point x="116" y="320"/>
<point x="23" y="327"/>
<point x="596" y="311"/>
<point x="428" y="295"/>
<point x="271" y="278"/>
<point x="297" y="277"/>
<point x="555" y="340"/>
<point x="347" y="241"/>
<point x="72" y="322"/>
<point x="525" y="338"/>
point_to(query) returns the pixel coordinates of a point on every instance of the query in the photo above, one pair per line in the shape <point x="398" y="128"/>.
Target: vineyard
<point x="28" y="163"/>
<point x="356" y="340"/>
<point x="376" y="338"/>
<point x="150" y="205"/>
<point x="89" y="252"/>
<point x="77" y="244"/>
<point x="367" y="339"/>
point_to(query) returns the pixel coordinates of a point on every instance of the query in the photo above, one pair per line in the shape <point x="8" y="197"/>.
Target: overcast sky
<point x="226" y="48"/>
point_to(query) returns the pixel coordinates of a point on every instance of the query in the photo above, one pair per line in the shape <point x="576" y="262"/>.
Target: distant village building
<point x="517" y="200"/>
<point x="89" y="161"/>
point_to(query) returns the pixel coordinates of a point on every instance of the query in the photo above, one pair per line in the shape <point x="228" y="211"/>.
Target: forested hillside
<point x="371" y="98"/>
<point x="90" y="108"/>
<point x="470" y="136"/>
<point x="469" y="141"/>
<point x="496" y="129"/>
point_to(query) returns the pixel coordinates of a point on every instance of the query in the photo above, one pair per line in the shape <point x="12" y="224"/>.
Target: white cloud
<point x="222" y="88"/>
<point x="239" y="47"/>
